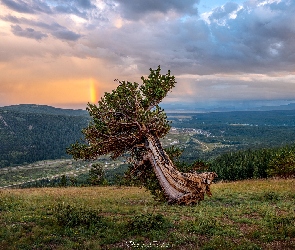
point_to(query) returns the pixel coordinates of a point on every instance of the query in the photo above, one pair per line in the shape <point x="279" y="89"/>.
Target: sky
<point x="68" y="53"/>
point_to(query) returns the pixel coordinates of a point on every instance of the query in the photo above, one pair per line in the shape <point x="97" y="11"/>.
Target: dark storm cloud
<point x="76" y="7"/>
<point x="11" y="19"/>
<point x="40" y="24"/>
<point x="86" y="4"/>
<point x="29" y="6"/>
<point x="136" y="9"/>
<point x="19" y="6"/>
<point x="66" y="35"/>
<point x="28" y="32"/>
<point x="54" y="29"/>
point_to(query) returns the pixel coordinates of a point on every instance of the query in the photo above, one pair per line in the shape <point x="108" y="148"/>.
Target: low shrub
<point x="147" y="222"/>
<point x="70" y="216"/>
<point x="282" y="226"/>
<point x="283" y="163"/>
<point x="270" y="196"/>
<point x="204" y="226"/>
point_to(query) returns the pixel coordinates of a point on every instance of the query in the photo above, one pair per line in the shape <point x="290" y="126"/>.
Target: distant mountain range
<point x="44" y="109"/>
<point x="224" y="106"/>
<point x="290" y="106"/>
<point x="227" y="106"/>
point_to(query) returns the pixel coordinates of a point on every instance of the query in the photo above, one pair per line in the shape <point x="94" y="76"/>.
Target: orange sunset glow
<point x="67" y="53"/>
<point x="57" y="93"/>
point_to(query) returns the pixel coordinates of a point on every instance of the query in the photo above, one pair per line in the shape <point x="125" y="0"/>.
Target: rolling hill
<point x="30" y="133"/>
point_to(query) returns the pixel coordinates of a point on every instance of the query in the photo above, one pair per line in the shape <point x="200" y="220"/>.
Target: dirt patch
<point x="246" y="228"/>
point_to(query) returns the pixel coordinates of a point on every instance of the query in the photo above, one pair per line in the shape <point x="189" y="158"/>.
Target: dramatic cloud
<point x="20" y="6"/>
<point x="66" y="35"/>
<point x="232" y="38"/>
<point x="76" y="7"/>
<point x="135" y="9"/>
<point x="54" y="29"/>
<point x="211" y="53"/>
<point x="28" y="32"/>
<point x="223" y="11"/>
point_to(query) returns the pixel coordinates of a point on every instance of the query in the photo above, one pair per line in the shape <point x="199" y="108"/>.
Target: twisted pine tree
<point x="129" y="120"/>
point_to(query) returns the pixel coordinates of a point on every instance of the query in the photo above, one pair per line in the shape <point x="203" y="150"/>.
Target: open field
<point x="252" y="214"/>
<point x="50" y="169"/>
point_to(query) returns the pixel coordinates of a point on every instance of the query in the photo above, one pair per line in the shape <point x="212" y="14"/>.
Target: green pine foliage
<point x="259" y="163"/>
<point x="283" y="163"/>
<point x="122" y="119"/>
<point x="97" y="175"/>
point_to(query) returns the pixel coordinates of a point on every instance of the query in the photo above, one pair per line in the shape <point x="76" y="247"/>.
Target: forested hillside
<point x="30" y="133"/>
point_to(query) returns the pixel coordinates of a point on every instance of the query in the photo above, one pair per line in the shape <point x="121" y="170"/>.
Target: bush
<point x="97" y="175"/>
<point x="260" y="163"/>
<point x="70" y="216"/>
<point x="242" y="165"/>
<point x="205" y="226"/>
<point x="283" y="163"/>
<point x="146" y="222"/>
<point x="270" y="196"/>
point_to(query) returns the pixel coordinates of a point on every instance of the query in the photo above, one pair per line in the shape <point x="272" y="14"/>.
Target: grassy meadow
<point x="251" y="214"/>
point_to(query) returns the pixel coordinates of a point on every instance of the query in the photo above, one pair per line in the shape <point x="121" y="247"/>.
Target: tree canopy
<point x="122" y="118"/>
<point x="129" y="120"/>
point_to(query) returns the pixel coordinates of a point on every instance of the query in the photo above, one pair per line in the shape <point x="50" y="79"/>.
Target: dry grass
<point x="251" y="214"/>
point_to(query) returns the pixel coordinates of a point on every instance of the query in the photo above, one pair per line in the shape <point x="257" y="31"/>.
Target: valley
<point x="34" y="139"/>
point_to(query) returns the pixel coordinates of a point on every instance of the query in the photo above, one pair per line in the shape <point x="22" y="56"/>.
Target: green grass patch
<point x="254" y="214"/>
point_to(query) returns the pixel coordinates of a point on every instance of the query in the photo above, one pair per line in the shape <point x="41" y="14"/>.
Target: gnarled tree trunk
<point x="129" y="120"/>
<point x="179" y="188"/>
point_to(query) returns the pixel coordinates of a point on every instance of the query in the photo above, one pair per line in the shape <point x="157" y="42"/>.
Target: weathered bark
<point x="179" y="188"/>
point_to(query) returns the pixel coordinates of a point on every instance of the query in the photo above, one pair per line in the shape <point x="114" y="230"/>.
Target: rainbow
<point x="93" y="92"/>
